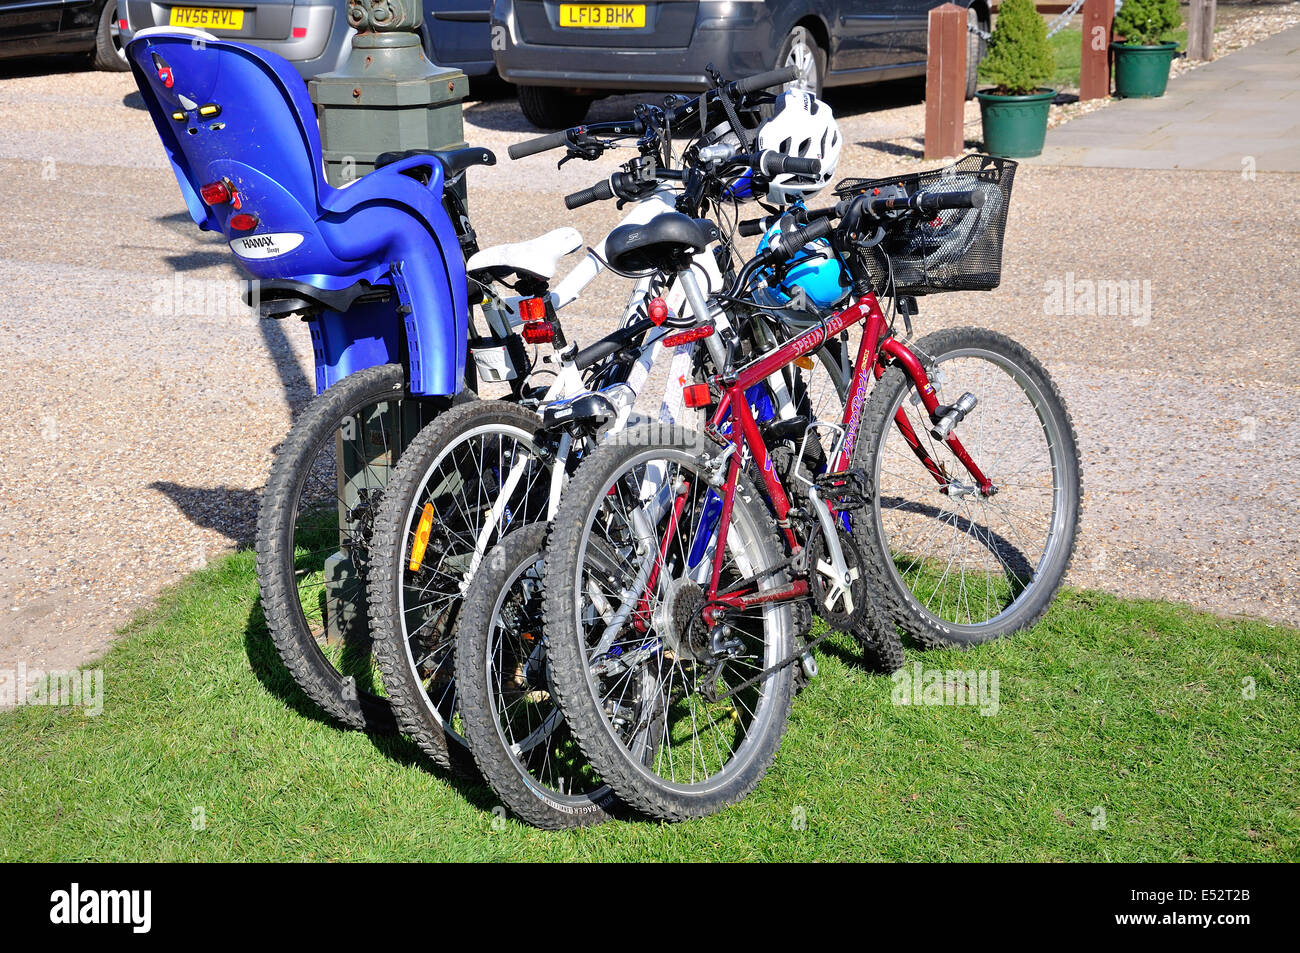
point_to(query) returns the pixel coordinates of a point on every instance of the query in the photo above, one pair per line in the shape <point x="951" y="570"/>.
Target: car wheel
<point x="109" y="54"/>
<point x="802" y="51"/>
<point x="976" y="46"/>
<point x="549" y="108"/>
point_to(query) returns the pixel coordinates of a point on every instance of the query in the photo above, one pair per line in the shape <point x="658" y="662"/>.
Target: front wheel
<point x="954" y="562"/>
<point x="547" y="107"/>
<point x="678" y="703"/>
<point x="109" y="54"/>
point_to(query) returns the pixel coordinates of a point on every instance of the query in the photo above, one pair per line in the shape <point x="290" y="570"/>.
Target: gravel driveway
<point x="140" y="405"/>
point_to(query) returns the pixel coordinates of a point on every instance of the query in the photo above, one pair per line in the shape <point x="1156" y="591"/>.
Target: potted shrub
<point x="1019" y="61"/>
<point x="1142" y="59"/>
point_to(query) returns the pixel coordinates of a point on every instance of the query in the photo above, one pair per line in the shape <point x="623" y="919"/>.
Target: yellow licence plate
<point x="208" y="17"/>
<point x="602" y="16"/>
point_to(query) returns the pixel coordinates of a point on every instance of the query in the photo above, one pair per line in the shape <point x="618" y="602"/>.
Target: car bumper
<point x="325" y="41"/>
<point x="735" y="38"/>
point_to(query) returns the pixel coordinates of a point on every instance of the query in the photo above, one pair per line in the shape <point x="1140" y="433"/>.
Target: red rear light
<point x="658" y="311"/>
<point x="299" y="32"/>
<point x="532" y="309"/>
<point x="696" y="396"/>
<point x="686" y="337"/>
<point x="539" y="332"/>
<point x="243" y="222"/>
<point x="216" y="193"/>
<point x="121" y="24"/>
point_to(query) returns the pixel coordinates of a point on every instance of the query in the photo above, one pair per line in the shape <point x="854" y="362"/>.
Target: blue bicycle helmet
<point x="819" y="276"/>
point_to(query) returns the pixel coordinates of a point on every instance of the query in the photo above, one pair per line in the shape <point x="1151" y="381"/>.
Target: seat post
<point x="700" y="308"/>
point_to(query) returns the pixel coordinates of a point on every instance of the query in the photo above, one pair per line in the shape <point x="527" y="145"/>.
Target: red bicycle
<point x="947" y="493"/>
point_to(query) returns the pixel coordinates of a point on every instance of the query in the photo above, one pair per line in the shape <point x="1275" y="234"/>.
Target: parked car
<point x="314" y="34"/>
<point x="34" y="27"/>
<point x="562" y="55"/>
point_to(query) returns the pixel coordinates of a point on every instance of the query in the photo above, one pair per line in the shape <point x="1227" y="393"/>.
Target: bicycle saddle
<point x="665" y="243"/>
<point x="454" y="161"/>
<point x="537" y="258"/>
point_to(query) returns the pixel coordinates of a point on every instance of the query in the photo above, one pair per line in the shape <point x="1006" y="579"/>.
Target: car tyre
<point x="802" y="51"/>
<point x="547" y="107"/>
<point x="109" y="54"/>
<point x="976" y="47"/>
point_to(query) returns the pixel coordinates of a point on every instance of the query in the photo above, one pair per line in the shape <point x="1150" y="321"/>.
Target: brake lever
<point x="582" y="146"/>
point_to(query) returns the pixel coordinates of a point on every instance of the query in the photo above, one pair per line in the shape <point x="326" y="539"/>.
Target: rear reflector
<point x="243" y="222"/>
<point x="121" y="24"/>
<point x="686" y="337"/>
<point x="532" y="309"/>
<point x="216" y="193"/>
<point x="658" y="311"/>
<point x="539" y="332"/>
<point x="299" y="32"/>
<point x="696" y="396"/>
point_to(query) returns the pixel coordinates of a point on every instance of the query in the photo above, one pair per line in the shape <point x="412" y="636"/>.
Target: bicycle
<point x="667" y="612"/>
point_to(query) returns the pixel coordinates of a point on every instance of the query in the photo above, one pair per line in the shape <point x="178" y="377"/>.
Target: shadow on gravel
<point x="230" y="511"/>
<point x="134" y="101"/>
<point x="198" y="260"/>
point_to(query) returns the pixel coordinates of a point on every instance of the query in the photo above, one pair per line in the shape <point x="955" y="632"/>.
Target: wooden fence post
<point x="945" y="82"/>
<point x="1094" y="68"/>
<point x="1200" y="30"/>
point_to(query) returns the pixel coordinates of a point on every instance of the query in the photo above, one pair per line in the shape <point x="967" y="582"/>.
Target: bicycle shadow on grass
<point x="275" y="678"/>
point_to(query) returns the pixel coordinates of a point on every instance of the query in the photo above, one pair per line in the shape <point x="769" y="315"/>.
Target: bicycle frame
<point x="877" y="346"/>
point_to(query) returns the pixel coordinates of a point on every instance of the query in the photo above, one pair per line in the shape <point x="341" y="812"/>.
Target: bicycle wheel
<point x="314" y="538"/>
<point x="477" y="471"/>
<point x="516" y="730"/>
<point x="956" y="566"/>
<point x="680" y="716"/>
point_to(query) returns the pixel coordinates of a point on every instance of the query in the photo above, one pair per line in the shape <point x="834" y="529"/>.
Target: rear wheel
<point x="109" y="54"/>
<point x="547" y="107"/>
<point x="517" y="733"/>
<point x="314" y="538"/>
<point x="802" y="51"/>
<point x="660" y="696"/>
<point x="976" y="46"/>
<point x="476" y="472"/>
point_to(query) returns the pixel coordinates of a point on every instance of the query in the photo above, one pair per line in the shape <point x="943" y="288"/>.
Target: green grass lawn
<point x="1132" y="707"/>
<point x="1067" y="47"/>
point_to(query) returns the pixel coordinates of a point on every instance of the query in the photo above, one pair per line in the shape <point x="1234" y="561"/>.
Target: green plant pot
<point x="1142" y="72"/>
<point x="1015" y="126"/>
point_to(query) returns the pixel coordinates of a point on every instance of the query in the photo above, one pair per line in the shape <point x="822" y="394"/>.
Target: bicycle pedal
<point x="845" y="490"/>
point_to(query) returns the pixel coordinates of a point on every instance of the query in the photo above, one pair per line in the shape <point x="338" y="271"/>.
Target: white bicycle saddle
<point x="539" y="256"/>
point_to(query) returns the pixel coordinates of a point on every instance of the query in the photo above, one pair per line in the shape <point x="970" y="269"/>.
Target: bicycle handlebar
<point x="927" y="203"/>
<point x="785" y="246"/>
<point x="541" y="144"/>
<point x="776" y="77"/>
<point x="597" y="193"/>
<point x="775" y="163"/>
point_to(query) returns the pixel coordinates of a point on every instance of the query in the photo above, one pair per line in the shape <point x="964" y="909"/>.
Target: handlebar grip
<point x="540" y="144"/>
<point x="787" y="245"/>
<point x="598" y="192"/>
<point x="751" y="227"/>
<point x="776" y="163"/>
<point x="776" y="77"/>
<point x="931" y="202"/>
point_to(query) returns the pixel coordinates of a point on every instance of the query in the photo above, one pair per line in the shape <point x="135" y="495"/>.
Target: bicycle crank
<point x="840" y="594"/>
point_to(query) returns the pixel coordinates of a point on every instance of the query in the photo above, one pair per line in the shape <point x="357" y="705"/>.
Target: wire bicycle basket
<point x="957" y="250"/>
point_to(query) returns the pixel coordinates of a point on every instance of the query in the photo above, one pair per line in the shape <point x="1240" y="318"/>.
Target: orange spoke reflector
<point x="805" y="362"/>
<point x="421" y="538"/>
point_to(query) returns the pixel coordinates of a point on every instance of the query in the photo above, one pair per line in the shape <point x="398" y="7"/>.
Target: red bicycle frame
<point x="878" y="346"/>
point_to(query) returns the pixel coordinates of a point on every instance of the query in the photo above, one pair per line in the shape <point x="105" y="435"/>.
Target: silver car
<point x="314" y="34"/>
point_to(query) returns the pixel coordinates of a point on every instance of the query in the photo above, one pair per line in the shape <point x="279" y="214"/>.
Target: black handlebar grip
<point x="598" y="192"/>
<point x="787" y="245"/>
<point x="751" y="227"/>
<point x="540" y="144"/>
<point x="776" y="77"/>
<point x="775" y="163"/>
<point x="930" y="202"/>
<point x="596" y="352"/>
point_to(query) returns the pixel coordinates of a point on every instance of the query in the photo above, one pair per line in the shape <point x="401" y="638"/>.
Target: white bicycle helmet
<point x="803" y="126"/>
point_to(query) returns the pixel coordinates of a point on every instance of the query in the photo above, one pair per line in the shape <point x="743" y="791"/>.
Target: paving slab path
<point x="1239" y="113"/>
